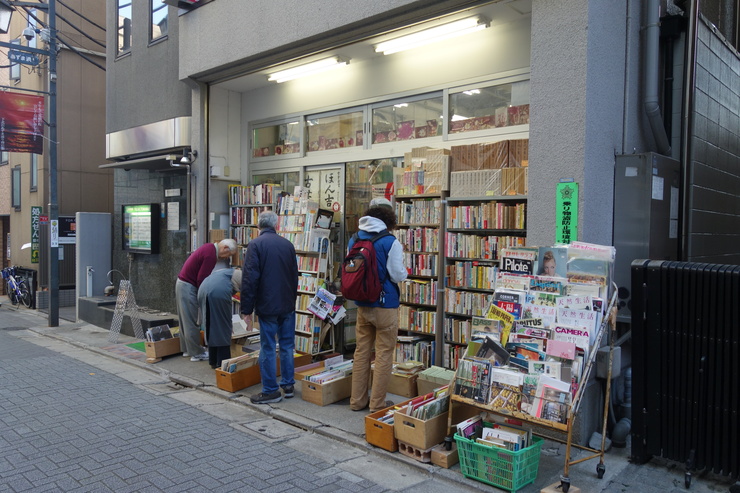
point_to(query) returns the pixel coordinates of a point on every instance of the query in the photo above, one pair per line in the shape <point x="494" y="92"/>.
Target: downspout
<point x="687" y="130"/>
<point x="651" y="101"/>
<point x="187" y="194"/>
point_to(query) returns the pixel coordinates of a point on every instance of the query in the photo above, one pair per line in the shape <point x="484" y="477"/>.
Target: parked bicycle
<point x="16" y="288"/>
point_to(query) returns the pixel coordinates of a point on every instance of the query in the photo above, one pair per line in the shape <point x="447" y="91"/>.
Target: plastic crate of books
<point x="497" y="466"/>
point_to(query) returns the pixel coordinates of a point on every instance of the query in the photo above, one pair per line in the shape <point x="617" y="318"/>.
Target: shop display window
<point x="287" y="180"/>
<point x="276" y="140"/>
<point x="334" y="131"/>
<point x="405" y="120"/>
<point x="489" y="107"/>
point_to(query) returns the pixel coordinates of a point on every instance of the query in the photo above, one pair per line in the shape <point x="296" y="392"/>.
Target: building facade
<point x="81" y="184"/>
<point x="602" y="81"/>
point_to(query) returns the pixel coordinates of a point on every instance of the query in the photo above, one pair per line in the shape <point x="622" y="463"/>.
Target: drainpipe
<point x="651" y="84"/>
<point x="175" y="164"/>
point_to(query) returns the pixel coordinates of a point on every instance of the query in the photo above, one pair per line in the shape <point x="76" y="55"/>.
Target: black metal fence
<point x="686" y="364"/>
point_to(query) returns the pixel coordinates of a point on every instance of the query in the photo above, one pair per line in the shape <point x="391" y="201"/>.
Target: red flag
<point x="21" y="123"/>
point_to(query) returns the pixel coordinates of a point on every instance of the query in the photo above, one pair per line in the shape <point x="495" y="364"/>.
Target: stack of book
<point x="158" y="333"/>
<point x="332" y="372"/>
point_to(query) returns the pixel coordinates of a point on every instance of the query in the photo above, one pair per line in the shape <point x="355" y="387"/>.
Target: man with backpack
<point x="377" y="313"/>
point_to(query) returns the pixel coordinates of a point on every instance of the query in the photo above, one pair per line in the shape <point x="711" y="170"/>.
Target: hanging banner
<point x="566" y="213"/>
<point x="21" y="123"/>
<point x="35" y="219"/>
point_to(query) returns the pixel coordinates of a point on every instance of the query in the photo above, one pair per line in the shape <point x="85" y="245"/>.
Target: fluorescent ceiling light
<point x="401" y="105"/>
<point x="457" y="118"/>
<point x="308" y="69"/>
<point x="432" y="35"/>
<point x="471" y="92"/>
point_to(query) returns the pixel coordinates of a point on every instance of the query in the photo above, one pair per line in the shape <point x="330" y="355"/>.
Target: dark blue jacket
<point x="269" y="276"/>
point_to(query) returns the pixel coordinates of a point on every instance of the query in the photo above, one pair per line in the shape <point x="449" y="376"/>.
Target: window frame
<point x="122" y="30"/>
<point x="34" y="173"/>
<point x="15" y="68"/>
<point x="4" y="158"/>
<point x="15" y="188"/>
<point x="151" y="20"/>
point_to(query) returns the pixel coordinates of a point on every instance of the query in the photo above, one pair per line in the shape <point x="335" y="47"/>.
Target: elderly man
<point x="269" y="289"/>
<point x="197" y="267"/>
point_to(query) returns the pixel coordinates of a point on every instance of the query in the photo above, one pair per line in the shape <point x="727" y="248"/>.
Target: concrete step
<point x="100" y="310"/>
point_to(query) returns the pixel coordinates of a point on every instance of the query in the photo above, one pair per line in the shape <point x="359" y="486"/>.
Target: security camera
<point x="29" y="33"/>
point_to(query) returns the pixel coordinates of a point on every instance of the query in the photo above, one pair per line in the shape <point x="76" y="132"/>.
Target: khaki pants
<point x="376" y="328"/>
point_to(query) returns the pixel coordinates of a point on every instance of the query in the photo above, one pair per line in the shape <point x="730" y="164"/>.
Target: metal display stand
<point x="609" y="323"/>
<point x="125" y="302"/>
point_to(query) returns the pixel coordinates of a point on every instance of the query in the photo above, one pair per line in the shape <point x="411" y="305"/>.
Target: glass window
<point x="406" y="120"/>
<point x="158" y="19"/>
<point x="334" y="132"/>
<point x="15" y="184"/>
<point x="32" y="24"/>
<point x="34" y="172"/>
<point x="484" y="108"/>
<point x="124" y="26"/>
<point x="276" y="140"/>
<point x="15" y="68"/>
<point x="288" y="180"/>
<point x="4" y="158"/>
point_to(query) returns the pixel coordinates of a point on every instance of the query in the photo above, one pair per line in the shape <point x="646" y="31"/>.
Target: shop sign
<point x="16" y="56"/>
<point x="67" y="230"/>
<point x="566" y="212"/>
<point x="35" y="220"/>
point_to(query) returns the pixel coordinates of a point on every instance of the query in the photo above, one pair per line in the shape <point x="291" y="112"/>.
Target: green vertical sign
<point x="35" y="215"/>
<point x="566" y="213"/>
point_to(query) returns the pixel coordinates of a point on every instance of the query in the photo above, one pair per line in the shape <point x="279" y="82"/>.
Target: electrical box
<point x="646" y="216"/>
<point x="602" y="362"/>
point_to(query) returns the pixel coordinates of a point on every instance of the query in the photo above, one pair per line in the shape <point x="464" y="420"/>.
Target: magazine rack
<point x="607" y="324"/>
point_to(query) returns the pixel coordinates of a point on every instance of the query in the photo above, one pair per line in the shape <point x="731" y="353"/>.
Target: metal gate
<point x="686" y="368"/>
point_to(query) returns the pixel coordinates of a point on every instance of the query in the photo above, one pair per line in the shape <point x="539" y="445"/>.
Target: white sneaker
<point x="200" y="357"/>
<point x="185" y="355"/>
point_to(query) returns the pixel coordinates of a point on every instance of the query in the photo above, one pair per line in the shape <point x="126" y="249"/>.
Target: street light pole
<point x="53" y="204"/>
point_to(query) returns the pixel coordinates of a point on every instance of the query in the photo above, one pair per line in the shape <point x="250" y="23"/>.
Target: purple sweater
<point x="199" y="265"/>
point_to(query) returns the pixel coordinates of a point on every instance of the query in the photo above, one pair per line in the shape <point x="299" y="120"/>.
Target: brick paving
<point x="68" y="426"/>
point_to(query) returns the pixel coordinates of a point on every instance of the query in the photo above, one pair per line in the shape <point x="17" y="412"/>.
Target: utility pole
<point x="6" y="8"/>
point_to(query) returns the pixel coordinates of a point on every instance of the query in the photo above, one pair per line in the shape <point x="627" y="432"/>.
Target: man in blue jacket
<point x="377" y="323"/>
<point x="269" y="289"/>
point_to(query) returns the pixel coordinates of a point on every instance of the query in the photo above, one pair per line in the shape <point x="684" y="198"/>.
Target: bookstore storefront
<point x="364" y="130"/>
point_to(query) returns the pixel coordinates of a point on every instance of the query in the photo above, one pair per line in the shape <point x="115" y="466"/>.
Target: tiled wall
<point x="714" y="199"/>
<point x="152" y="276"/>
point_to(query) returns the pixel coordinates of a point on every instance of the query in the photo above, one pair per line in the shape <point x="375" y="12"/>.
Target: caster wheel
<point x="565" y="485"/>
<point x="600" y="469"/>
<point x="687" y="480"/>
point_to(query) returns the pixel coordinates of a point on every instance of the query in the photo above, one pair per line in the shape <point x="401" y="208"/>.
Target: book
<point x="491" y="349"/>
<point x="579" y="336"/>
<point x="518" y="261"/>
<point x="510" y="280"/>
<point x="485" y="327"/>
<point x="552" y="401"/>
<point x="561" y="349"/>
<point x="549" y="368"/>
<point x="552" y="261"/>
<point x="587" y="319"/>
<point x="554" y="285"/>
<point x="514" y="308"/>
<point x="471" y="427"/>
<point x="158" y="333"/>
<point x="506" y="318"/>
<point x="509" y="295"/>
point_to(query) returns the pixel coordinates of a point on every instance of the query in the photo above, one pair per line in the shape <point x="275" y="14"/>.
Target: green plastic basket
<point x="499" y="467"/>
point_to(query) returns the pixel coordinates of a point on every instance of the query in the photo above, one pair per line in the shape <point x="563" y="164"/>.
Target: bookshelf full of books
<point x="245" y="205"/>
<point x="419" y="229"/>
<point x="477" y="230"/>
<point x="532" y="348"/>
<point x="299" y="221"/>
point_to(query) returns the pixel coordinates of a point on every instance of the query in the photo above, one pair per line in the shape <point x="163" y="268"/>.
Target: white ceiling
<point x="498" y="13"/>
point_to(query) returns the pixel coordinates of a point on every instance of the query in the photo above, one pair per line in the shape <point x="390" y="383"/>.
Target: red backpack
<point x="360" y="281"/>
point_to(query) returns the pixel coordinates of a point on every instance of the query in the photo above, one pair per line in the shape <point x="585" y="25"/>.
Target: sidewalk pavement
<point x="338" y="422"/>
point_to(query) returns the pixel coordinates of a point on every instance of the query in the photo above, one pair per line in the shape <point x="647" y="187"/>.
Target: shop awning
<point x="151" y="163"/>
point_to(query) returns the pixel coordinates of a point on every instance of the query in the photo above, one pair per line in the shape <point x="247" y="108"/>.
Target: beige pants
<point x="377" y="328"/>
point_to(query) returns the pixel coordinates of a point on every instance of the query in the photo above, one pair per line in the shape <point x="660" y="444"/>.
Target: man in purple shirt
<point x="197" y="267"/>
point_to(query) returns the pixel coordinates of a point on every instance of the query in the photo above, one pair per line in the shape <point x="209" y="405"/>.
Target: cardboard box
<point x="247" y="377"/>
<point x="403" y="385"/>
<point x="379" y="433"/>
<point x="418" y="433"/>
<point x="155" y="351"/>
<point x="327" y="393"/>
<point x="426" y="386"/>
<point x="443" y="457"/>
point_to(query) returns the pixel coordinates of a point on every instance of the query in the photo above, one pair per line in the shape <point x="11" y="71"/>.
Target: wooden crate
<point x="155" y="351"/>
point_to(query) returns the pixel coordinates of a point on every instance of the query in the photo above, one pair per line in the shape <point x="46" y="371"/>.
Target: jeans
<point x="186" y="297"/>
<point x="282" y="329"/>
<point x="377" y="328"/>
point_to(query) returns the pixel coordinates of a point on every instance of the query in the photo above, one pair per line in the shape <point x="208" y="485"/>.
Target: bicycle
<point x="16" y="288"/>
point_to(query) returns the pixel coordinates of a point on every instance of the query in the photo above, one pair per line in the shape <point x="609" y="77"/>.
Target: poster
<point x="21" y="123"/>
<point x="566" y="212"/>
